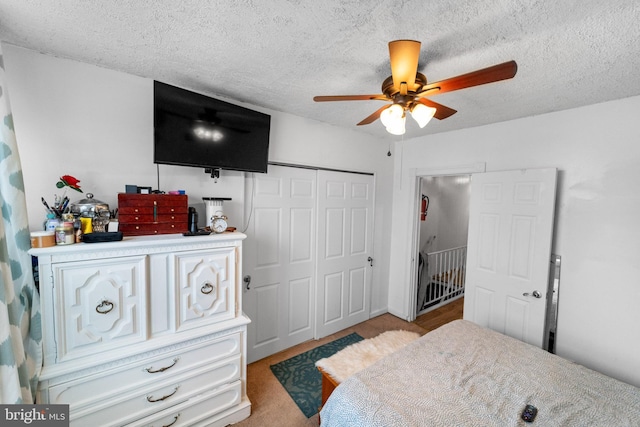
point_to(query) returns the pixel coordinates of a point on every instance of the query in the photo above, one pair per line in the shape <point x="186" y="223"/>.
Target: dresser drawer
<point x="162" y="201"/>
<point x="134" y="210"/>
<point x="219" y="407"/>
<point x="143" y="401"/>
<point x="148" y="210"/>
<point x="83" y="394"/>
<point x="143" y="229"/>
<point x="149" y="218"/>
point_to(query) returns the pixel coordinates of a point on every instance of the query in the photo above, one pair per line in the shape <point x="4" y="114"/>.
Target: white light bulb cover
<point x="397" y="127"/>
<point x="391" y="115"/>
<point x="422" y="114"/>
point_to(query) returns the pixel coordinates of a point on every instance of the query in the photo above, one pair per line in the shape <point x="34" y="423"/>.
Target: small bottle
<point x="193" y="220"/>
<point x="51" y="223"/>
<point x="77" y="230"/>
<point x="65" y="234"/>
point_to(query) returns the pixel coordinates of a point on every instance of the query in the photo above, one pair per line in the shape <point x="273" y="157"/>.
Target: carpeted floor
<point x="271" y="405"/>
<point x="300" y="377"/>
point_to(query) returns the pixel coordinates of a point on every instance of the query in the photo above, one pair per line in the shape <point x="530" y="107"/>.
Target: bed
<point x="462" y="374"/>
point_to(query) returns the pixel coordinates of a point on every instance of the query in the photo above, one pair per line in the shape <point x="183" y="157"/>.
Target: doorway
<point x="442" y="240"/>
<point x="511" y="216"/>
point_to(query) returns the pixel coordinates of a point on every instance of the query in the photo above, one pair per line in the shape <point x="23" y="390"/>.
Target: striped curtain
<point x="20" y="329"/>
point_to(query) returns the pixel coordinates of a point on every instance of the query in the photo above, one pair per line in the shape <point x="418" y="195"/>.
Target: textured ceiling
<point x="280" y="53"/>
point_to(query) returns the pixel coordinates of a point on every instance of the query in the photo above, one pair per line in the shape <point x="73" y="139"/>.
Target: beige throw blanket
<point x="358" y="356"/>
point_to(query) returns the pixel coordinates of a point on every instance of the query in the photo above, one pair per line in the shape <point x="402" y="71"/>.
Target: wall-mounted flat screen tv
<point x="192" y="129"/>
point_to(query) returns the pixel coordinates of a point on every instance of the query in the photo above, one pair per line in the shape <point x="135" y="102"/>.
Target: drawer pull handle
<point x="206" y="288"/>
<point x="155" y="371"/>
<point x="150" y="399"/>
<point x="175" y="420"/>
<point x="104" y="307"/>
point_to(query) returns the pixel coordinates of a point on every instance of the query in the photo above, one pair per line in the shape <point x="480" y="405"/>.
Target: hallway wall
<point x="447" y="213"/>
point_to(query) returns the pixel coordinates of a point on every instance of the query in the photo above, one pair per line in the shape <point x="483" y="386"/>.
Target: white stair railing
<point x="443" y="277"/>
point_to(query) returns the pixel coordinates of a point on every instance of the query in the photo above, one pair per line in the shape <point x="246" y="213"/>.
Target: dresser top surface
<point x="150" y="241"/>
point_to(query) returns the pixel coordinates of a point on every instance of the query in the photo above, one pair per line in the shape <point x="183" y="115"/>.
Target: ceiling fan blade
<point x="404" y="55"/>
<point x="380" y="97"/>
<point x="373" y="117"/>
<point x="492" y="74"/>
<point x="442" y="111"/>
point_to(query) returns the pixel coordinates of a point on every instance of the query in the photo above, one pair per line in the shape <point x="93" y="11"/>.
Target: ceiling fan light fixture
<point x="397" y="126"/>
<point x="392" y="115"/>
<point x="407" y="88"/>
<point x="422" y="114"/>
<point x="393" y="118"/>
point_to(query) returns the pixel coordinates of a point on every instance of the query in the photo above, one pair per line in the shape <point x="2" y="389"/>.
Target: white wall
<point x="97" y="125"/>
<point x="448" y="212"/>
<point x="597" y="233"/>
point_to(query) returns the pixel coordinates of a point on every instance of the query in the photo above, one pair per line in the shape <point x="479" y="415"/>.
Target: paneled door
<point x="279" y="255"/>
<point x="345" y="241"/>
<point x="509" y="247"/>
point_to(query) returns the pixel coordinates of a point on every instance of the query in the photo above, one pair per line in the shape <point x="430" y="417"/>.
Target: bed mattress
<point x="465" y="375"/>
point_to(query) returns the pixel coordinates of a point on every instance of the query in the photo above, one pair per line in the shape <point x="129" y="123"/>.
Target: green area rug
<point x="301" y="378"/>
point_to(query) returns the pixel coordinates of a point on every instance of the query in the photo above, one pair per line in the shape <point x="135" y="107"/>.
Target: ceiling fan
<point x="407" y="89"/>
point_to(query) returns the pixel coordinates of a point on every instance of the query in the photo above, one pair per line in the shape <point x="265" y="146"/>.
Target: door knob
<point x="247" y="281"/>
<point x="534" y="294"/>
<point x="370" y="261"/>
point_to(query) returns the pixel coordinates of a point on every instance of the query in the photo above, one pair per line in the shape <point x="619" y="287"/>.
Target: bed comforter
<point x="465" y="375"/>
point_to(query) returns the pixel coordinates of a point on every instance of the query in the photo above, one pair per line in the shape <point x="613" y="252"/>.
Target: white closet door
<point x="509" y="248"/>
<point x="279" y="255"/>
<point x="345" y="241"/>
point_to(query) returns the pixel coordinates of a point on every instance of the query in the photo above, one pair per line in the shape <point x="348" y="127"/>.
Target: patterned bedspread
<point x="464" y="375"/>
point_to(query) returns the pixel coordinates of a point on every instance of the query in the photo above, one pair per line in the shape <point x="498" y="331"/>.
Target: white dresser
<point x="148" y="331"/>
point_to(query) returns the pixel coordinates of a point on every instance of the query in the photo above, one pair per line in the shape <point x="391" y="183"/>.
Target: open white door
<point x="509" y="248"/>
<point x="345" y="239"/>
<point x="279" y="255"/>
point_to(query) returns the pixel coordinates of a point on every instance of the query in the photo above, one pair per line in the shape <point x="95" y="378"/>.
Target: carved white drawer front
<point x="101" y="305"/>
<point x="143" y="401"/>
<point x="205" y="287"/>
<point x="198" y="409"/>
<point x="97" y="389"/>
